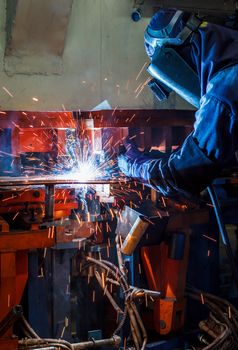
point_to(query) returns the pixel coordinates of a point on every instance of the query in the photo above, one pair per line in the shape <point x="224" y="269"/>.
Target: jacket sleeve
<point x="204" y="153"/>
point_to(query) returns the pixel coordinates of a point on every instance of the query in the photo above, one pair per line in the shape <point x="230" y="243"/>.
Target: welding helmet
<point x="165" y="36"/>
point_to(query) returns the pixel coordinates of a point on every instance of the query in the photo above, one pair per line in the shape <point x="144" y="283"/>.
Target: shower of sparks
<point x="81" y="158"/>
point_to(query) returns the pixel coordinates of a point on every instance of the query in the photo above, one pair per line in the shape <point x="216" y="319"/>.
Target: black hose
<point x="223" y="233"/>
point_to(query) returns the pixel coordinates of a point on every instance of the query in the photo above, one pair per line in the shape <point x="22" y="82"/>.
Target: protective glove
<point x="136" y="164"/>
<point x="185" y="171"/>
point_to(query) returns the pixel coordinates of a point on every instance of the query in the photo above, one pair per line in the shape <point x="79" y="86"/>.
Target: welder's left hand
<point x="127" y="156"/>
<point x="136" y="164"/>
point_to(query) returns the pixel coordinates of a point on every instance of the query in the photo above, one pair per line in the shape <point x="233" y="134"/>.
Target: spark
<point x="41" y="273"/>
<point x="130" y="120"/>
<point x="124" y="345"/>
<point x="229" y="312"/>
<point x="138" y="87"/>
<point x="114" y="110"/>
<point x="141" y="70"/>
<point x="8" y="300"/>
<point x="202" y="299"/>
<point x="142" y="87"/>
<point x="146" y="300"/>
<point x="210" y="238"/>
<point x="210" y="205"/>
<point x="7" y="91"/>
<point x="62" y="333"/>
<point x="15" y="216"/>
<point x="8" y="198"/>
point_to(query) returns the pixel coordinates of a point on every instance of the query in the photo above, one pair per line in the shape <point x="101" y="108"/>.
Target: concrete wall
<point x="103" y="55"/>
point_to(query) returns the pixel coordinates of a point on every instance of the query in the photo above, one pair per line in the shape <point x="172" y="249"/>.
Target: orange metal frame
<point x="169" y="275"/>
<point x="14" y="270"/>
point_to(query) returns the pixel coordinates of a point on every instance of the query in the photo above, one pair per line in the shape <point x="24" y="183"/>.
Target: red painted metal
<point x="10" y="343"/>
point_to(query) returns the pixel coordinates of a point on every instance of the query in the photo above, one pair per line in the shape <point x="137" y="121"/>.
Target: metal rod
<point x="223" y="233"/>
<point x="43" y="343"/>
<point x="46" y="348"/>
<point x="114" y="341"/>
<point x="54" y="180"/>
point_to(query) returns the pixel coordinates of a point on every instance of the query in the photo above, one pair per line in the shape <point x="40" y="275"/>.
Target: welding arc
<point x="137" y="328"/>
<point x="221" y="328"/>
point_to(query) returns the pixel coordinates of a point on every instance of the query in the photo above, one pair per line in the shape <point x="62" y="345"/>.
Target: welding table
<point x="50" y="182"/>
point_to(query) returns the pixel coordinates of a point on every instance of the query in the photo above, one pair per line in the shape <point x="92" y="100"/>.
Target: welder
<point x="199" y="61"/>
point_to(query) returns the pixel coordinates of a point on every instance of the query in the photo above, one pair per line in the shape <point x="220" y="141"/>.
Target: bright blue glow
<point x="85" y="170"/>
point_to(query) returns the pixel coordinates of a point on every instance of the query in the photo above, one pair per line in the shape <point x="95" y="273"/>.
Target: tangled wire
<point x="115" y="276"/>
<point x="33" y="341"/>
<point x="220" y="330"/>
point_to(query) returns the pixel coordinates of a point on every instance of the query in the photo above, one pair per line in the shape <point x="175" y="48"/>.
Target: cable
<point x="222" y="320"/>
<point x="138" y="331"/>
<point x="223" y="232"/>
